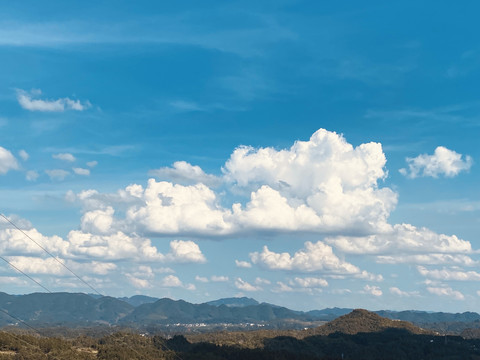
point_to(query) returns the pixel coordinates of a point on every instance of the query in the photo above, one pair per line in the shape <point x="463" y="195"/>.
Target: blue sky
<point x="306" y="154"/>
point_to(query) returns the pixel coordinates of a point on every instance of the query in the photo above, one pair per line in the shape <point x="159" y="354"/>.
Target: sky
<point x="307" y="154"/>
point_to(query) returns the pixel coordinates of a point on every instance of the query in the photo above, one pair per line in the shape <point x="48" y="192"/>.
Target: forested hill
<point x="363" y="321"/>
<point x="359" y="335"/>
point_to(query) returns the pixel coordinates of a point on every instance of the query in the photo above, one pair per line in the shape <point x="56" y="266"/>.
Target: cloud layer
<point x="323" y="188"/>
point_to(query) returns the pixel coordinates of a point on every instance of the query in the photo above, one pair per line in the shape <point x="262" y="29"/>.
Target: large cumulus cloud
<point x="323" y="185"/>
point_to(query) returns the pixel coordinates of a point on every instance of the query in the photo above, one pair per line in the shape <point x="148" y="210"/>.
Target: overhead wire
<point x="66" y="267"/>
<point x="49" y="253"/>
<point x="22" y="321"/>
<point x="28" y="276"/>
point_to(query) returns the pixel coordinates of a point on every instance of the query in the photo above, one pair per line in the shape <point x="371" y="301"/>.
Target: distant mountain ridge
<point x="80" y="310"/>
<point x="138" y="300"/>
<point x="166" y="311"/>
<point x="234" y="302"/>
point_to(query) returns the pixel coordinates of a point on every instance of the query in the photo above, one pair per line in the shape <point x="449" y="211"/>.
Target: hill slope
<point x="363" y="321"/>
<point x="62" y="308"/>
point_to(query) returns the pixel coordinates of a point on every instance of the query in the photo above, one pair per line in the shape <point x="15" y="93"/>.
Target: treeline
<point x="395" y="344"/>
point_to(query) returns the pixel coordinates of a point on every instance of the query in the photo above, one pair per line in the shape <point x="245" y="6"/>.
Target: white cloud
<point x="31" y="175"/>
<point x="23" y="155"/>
<point x="243" y="264"/>
<point x="245" y="286"/>
<point x="115" y="246"/>
<point x="341" y="291"/>
<point x="309" y="282"/>
<point x="14" y="242"/>
<point x="373" y="290"/>
<point x="97" y="221"/>
<point x="7" y="161"/>
<point x="144" y="271"/>
<point x="397" y="292"/>
<point x="93" y="200"/>
<point x="282" y="287"/>
<point x="428" y="259"/>
<point x="92" y="164"/>
<point x="365" y="275"/>
<point x="325" y="183"/>
<point x="443" y="162"/>
<point x="402" y="239"/>
<point x="138" y="282"/>
<point x="57" y="174"/>
<point x="98" y="238"/>
<point x="305" y="285"/>
<point x="12" y="280"/>
<point x="173" y="209"/>
<point x="101" y="268"/>
<point x="269" y="210"/>
<point x="317" y="257"/>
<point x="261" y="281"/>
<point x="81" y="171"/>
<point x="216" y="278"/>
<point x="213" y="278"/>
<point x="446" y="291"/>
<point x="64" y="156"/>
<point x="453" y="274"/>
<point x="28" y="101"/>
<point x="36" y="265"/>
<point x="185" y="251"/>
<point x="187" y="174"/>
<point x="171" y="281"/>
<point x="174" y="282"/>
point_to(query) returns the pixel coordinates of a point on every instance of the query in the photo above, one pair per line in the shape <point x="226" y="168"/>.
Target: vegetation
<point x="359" y="335"/>
<point x="396" y="344"/>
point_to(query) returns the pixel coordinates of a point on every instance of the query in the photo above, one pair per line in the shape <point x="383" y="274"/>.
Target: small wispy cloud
<point x="7" y="161"/>
<point x="57" y="174"/>
<point x="81" y="171"/>
<point x="23" y="155"/>
<point x="29" y="101"/>
<point x="64" y="156"/>
<point x="185" y="173"/>
<point x="186" y="106"/>
<point x="243" y="264"/>
<point x="31" y="175"/>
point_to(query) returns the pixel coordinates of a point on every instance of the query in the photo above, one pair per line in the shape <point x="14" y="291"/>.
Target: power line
<point x="49" y="253"/>
<point x="66" y="267"/>
<point x="23" y="322"/>
<point x="16" y="268"/>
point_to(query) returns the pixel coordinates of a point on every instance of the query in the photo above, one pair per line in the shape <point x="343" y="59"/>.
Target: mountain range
<point x="84" y="310"/>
